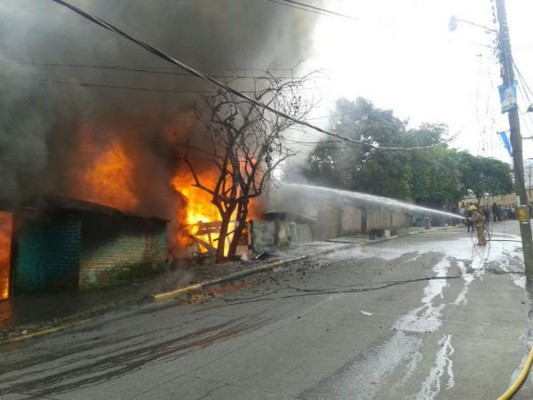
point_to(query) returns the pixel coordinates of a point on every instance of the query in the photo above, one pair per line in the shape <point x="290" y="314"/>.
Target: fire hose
<point x="509" y="393"/>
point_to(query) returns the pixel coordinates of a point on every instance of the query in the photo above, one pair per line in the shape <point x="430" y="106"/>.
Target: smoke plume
<point x="59" y="112"/>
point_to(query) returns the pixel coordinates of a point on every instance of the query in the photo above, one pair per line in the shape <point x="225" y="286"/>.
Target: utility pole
<point x="506" y="60"/>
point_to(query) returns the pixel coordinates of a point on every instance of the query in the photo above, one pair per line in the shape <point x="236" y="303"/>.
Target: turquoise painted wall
<point x="48" y="254"/>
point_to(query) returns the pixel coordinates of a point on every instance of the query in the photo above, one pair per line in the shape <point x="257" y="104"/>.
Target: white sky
<point x="400" y="55"/>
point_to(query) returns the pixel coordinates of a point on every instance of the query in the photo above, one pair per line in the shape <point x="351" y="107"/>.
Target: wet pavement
<point x="28" y="313"/>
<point x="424" y="317"/>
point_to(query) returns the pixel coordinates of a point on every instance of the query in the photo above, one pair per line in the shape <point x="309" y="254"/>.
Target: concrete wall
<point x="351" y="220"/>
<point x="269" y="234"/>
<point x="300" y="233"/>
<point x="115" y="250"/>
<point x="327" y="223"/>
<point x="263" y="234"/>
<point x="384" y="219"/>
<point x="345" y="220"/>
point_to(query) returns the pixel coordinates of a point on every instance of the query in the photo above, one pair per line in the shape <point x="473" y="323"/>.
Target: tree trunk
<point x="242" y="215"/>
<point x="241" y="224"/>
<point x="222" y="237"/>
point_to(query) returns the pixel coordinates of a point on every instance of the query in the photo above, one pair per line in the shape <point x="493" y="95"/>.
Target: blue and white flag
<point x="506" y="142"/>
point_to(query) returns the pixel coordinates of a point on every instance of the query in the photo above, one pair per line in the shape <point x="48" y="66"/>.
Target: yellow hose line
<point x="523" y="375"/>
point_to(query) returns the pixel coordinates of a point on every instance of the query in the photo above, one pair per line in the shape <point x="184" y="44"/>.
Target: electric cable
<point x="524" y="82"/>
<point x="527" y="118"/>
<point x="310" y="8"/>
<point x="138" y="88"/>
<point x="525" y="92"/>
<point x="149" y="70"/>
<point x="229" y="89"/>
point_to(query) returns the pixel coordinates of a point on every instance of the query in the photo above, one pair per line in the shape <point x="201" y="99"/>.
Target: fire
<point x="6" y="227"/>
<point x="198" y="208"/>
<point x="111" y="179"/>
<point x="108" y="179"/>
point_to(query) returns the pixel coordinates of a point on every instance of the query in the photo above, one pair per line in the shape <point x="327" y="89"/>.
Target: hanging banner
<point x="508" y="97"/>
<point x="506" y="142"/>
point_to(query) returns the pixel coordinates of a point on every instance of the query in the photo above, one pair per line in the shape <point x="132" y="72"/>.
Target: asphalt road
<point x="419" y="317"/>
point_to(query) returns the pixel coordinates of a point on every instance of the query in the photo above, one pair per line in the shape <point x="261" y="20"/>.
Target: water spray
<point x="325" y="193"/>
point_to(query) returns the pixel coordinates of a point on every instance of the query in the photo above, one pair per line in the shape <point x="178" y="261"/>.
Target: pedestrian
<point x="501" y="213"/>
<point x="478" y="220"/>
<point x="496" y="213"/>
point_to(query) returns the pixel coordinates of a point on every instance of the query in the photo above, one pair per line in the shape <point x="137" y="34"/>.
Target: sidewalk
<point x="35" y="314"/>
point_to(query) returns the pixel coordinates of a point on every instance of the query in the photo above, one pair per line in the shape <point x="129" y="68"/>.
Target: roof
<point x="58" y="203"/>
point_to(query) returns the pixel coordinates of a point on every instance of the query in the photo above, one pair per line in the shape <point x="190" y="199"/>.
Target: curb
<point x="156" y="298"/>
<point x="173" y="294"/>
<point x="166" y="296"/>
<point x="46" y="331"/>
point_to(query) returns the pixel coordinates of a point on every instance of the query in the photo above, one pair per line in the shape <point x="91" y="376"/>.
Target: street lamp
<point x="452" y="25"/>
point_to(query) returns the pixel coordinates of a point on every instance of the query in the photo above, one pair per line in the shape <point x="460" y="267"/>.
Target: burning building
<point x="86" y="115"/>
<point x="59" y="243"/>
<point x="71" y="244"/>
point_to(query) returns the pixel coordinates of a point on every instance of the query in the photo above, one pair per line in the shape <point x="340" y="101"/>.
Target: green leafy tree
<point x="337" y="163"/>
<point x="484" y="176"/>
<point x="434" y="176"/>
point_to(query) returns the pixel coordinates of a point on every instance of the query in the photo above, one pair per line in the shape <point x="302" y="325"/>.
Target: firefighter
<point x="478" y="220"/>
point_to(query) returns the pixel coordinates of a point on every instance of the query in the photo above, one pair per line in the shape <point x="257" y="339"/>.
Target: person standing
<point x="496" y="213"/>
<point x="478" y="219"/>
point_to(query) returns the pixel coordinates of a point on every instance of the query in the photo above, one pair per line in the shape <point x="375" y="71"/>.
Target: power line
<point x="523" y="81"/>
<point x="525" y="92"/>
<point x="105" y="86"/>
<point x="310" y="8"/>
<point x="137" y="88"/>
<point x="146" y="70"/>
<point x="229" y="89"/>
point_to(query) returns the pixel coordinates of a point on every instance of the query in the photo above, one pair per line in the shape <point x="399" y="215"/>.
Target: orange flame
<point x="199" y="206"/>
<point x="200" y="209"/>
<point x="108" y="179"/>
<point x="6" y="228"/>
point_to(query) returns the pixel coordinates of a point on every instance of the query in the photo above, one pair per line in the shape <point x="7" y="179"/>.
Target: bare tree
<point x="244" y="142"/>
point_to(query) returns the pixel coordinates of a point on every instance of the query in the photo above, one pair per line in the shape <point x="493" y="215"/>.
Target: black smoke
<point x="43" y="107"/>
